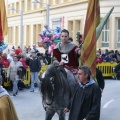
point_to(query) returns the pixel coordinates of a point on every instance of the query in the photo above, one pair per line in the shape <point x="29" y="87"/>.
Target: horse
<point x="56" y="92"/>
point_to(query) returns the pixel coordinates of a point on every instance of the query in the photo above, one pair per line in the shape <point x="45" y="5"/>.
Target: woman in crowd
<point x="12" y="73"/>
<point x="5" y="61"/>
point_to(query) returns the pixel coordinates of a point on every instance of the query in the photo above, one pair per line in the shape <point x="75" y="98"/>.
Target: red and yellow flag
<point x="88" y="52"/>
<point x="3" y="20"/>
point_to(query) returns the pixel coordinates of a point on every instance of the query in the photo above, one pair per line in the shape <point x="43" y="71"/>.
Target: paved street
<point x="29" y="107"/>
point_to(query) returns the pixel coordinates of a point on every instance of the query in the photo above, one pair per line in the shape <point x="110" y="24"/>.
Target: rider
<point x="67" y="53"/>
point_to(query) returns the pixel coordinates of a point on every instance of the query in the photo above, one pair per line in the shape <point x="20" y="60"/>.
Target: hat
<point x="32" y="51"/>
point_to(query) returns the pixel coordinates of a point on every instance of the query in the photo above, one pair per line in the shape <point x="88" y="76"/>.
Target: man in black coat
<point x="85" y="104"/>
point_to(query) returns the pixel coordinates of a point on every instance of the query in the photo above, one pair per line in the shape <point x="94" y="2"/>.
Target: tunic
<point x="67" y="54"/>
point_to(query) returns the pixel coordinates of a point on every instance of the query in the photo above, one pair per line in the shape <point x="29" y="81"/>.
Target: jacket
<point x="35" y="64"/>
<point x="12" y="70"/>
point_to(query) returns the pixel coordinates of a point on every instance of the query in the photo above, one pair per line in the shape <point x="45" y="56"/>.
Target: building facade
<point x="68" y="14"/>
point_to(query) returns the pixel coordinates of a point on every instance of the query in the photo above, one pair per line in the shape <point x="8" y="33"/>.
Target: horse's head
<point x="54" y="84"/>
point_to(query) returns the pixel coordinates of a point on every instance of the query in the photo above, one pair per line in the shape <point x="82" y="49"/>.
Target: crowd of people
<point x="17" y="61"/>
<point x="108" y="56"/>
<point x="65" y="54"/>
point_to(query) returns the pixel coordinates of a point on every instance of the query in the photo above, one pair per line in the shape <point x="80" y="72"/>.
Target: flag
<point x="3" y="20"/>
<point x="88" y="51"/>
<point x="102" y="23"/>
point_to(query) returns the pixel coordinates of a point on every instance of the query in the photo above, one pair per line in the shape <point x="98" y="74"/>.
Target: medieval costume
<point x="7" y="110"/>
<point x="67" y="54"/>
<point x="86" y="102"/>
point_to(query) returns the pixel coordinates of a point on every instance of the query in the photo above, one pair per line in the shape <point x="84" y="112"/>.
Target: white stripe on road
<point x="105" y="106"/>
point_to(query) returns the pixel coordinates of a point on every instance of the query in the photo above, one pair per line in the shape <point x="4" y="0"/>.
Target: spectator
<point x="35" y="49"/>
<point x="18" y="51"/>
<point x="99" y="60"/>
<point x="109" y="57"/>
<point x="35" y="67"/>
<point x="13" y="47"/>
<point x="106" y="52"/>
<point x="7" y="109"/>
<point x="28" y="49"/>
<point x="99" y="51"/>
<point x="23" y="61"/>
<point x="10" y="57"/>
<point x="25" y="50"/>
<point x="117" y="71"/>
<point x="85" y="104"/>
<point x="28" y="53"/>
<point x="5" y="61"/>
<point x="103" y="58"/>
<point x="117" y="56"/>
<point x="12" y="73"/>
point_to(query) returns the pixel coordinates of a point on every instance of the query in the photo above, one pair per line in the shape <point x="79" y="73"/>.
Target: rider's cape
<point x="7" y="110"/>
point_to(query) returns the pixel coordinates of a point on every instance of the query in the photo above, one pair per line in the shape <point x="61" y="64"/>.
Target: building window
<point x="28" y="35"/>
<point x="17" y="35"/>
<point x="9" y="6"/>
<point x="105" y="35"/>
<point x="77" y="25"/>
<point x="56" y="23"/>
<point x="118" y="33"/>
<point x="17" y="6"/>
<point x="29" y="5"/>
<point x="36" y="31"/>
<point x="10" y="34"/>
<point x="23" y="6"/>
<point x="70" y="28"/>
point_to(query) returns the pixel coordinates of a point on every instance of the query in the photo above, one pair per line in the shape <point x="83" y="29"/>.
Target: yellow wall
<point x="70" y="14"/>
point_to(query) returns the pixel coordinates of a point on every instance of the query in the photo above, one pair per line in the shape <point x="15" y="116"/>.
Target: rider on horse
<point x="57" y="86"/>
<point x="66" y="54"/>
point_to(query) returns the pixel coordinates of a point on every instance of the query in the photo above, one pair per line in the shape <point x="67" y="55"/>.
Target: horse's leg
<point x="61" y="114"/>
<point x="49" y="113"/>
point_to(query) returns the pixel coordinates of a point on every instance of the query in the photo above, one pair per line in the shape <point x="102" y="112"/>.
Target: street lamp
<point x="21" y="26"/>
<point x="47" y="8"/>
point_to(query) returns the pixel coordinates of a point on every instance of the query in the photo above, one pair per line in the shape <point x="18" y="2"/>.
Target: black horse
<point x="55" y="91"/>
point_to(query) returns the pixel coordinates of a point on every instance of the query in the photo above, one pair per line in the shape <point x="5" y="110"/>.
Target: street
<point x="29" y="106"/>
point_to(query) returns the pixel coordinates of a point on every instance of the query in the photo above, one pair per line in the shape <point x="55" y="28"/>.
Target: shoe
<point x="31" y="90"/>
<point x="14" y="94"/>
